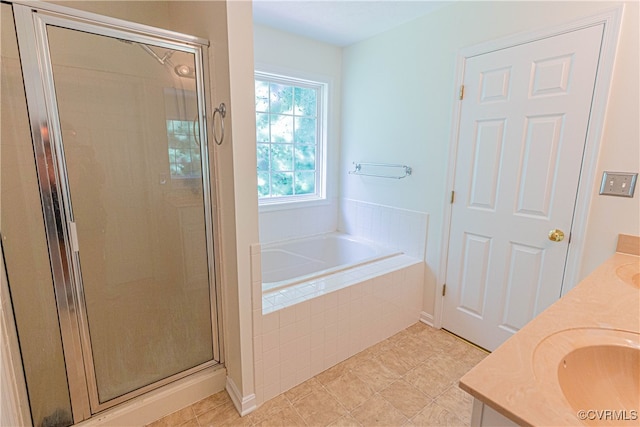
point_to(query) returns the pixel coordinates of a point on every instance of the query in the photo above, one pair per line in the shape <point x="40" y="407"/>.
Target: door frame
<point x="612" y="19"/>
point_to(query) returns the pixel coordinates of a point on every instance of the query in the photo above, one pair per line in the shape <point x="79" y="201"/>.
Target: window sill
<point x="291" y="204"/>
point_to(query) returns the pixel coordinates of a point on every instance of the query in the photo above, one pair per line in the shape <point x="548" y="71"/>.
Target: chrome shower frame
<point x="31" y="20"/>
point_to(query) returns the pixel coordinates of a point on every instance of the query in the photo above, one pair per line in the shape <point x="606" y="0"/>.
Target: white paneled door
<point x="523" y="124"/>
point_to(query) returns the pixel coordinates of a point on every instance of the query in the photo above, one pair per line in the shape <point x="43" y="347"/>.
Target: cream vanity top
<point x="582" y="353"/>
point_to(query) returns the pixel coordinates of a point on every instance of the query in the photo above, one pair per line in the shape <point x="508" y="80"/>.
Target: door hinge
<point x="461" y="94"/>
<point x="453" y="196"/>
<point x="444" y="289"/>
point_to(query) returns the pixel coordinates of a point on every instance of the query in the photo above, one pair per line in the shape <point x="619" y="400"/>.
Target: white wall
<point x="242" y="99"/>
<point x="284" y="53"/>
<point x="398" y="100"/>
<point x="620" y="149"/>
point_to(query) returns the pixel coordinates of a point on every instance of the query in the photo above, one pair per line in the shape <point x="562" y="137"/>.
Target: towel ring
<point x="222" y="111"/>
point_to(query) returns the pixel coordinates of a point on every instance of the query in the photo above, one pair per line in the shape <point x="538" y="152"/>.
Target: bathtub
<point x="292" y="262"/>
<point x="323" y="299"/>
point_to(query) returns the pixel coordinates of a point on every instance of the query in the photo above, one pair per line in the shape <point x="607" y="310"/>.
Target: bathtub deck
<point x="295" y="294"/>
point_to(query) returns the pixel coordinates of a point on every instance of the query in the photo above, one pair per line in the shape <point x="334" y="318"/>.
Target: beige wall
<point x="25" y="248"/>
<point x="154" y="13"/>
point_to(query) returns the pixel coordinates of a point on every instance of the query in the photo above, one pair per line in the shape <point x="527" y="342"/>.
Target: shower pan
<point x="113" y="280"/>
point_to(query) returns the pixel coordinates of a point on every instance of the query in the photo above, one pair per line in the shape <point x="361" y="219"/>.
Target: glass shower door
<point x="128" y="154"/>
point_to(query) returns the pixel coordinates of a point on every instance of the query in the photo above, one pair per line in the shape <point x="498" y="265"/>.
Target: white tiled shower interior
<point x="307" y="329"/>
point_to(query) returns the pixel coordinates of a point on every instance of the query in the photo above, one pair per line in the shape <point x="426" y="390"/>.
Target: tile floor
<point x="410" y="379"/>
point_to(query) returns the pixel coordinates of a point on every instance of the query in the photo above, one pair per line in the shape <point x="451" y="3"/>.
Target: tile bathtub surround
<point x="388" y="226"/>
<point x="409" y="379"/>
<point x="285" y="224"/>
<point x="297" y="342"/>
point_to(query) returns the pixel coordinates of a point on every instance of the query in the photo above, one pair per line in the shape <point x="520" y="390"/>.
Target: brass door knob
<point x="556" y="235"/>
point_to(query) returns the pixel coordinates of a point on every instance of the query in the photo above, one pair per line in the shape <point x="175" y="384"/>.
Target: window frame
<point x="322" y="88"/>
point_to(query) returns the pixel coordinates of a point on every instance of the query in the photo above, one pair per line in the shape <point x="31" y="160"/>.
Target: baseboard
<point x="154" y="405"/>
<point x="426" y="318"/>
<point x="244" y="405"/>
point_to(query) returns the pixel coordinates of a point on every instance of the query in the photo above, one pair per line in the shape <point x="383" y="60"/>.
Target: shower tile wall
<point x="294" y="344"/>
<point x="395" y="228"/>
<point x="284" y="224"/>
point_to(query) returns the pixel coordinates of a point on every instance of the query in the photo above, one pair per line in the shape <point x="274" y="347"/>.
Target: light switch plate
<point x="620" y="184"/>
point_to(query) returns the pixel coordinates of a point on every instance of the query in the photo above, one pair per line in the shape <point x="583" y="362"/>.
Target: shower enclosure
<point x="105" y="210"/>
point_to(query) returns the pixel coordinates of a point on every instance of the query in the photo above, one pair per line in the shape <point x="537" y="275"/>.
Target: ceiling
<point x="339" y="22"/>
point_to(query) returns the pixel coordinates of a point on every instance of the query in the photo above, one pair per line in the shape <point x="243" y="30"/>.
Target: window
<point x="184" y="149"/>
<point x="289" y="138"/>
<point x="183" y="134"/>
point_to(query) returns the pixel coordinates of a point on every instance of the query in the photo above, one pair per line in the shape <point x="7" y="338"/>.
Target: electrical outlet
<point x="618" y="184"/>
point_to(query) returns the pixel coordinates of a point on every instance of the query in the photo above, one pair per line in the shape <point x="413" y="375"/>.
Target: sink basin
<point x="591" y="369"/>
<point x="630" y="274"/>
<point x="601" y="377"/>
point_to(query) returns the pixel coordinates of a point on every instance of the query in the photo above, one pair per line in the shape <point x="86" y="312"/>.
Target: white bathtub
<point x="325" y="299"/>
<point x="301" y="260"/>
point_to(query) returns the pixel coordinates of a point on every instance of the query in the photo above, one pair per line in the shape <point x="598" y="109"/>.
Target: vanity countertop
<point x="511" y="383"/>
